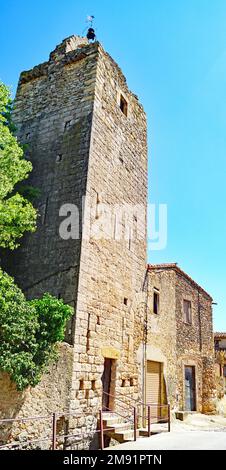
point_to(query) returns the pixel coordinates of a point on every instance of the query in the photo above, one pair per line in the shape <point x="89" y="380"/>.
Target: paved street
<point x="197" y="432"/>
<point x="185" y="440"/>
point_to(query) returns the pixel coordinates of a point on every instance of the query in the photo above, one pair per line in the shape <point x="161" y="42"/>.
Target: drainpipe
<point x="145" y="331"/>
<point x="200" y="323"/>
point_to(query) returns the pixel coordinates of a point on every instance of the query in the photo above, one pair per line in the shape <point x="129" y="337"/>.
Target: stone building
<point x="220" y="362"/>
<point x="86" y="136"/>
<point x="180" y="339"/>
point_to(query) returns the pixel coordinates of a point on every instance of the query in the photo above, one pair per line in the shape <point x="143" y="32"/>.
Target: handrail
<point x="117" y="413"/>
<point x="147" y="417"/>
<point x="23" y="443"/>
<point x="102" y="429"/>
<point x="132" y="419"/>
<point x="32" y="418"/>
<point x="138" y="402"/>
<point x="113" y="396"/>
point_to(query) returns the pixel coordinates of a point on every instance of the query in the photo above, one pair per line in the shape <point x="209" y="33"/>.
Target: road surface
<point x="185" y="440"/>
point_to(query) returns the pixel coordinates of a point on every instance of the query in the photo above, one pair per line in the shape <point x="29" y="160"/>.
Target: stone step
<point x="107" y="414"/>
<point x="143" y="432"/>
<point x="119" y="430"/>
<point x="110" y="421"/>
<point x="123" y="435"/>
<point x="118" y="427"/>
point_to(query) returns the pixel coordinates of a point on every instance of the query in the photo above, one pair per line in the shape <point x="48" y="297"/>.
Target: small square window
<point x="59" y="158"/>
<point x="187" y="311"/>
<point x="156" y="302"/>
<point x="123" y="105"/>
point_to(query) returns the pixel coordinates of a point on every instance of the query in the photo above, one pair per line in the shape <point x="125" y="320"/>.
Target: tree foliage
<point x="17" y="214"/>
<point x="29" y="331"/>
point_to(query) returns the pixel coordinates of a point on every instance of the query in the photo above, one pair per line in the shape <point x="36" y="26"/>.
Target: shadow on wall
<point x="11" y="402"/>
<point x="164" y="411"/>
<point x="51" y="395"/>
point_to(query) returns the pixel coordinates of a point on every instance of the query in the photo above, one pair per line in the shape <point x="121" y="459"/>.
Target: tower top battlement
<point x="71" y="50"/>
<point x="68" y="45"/>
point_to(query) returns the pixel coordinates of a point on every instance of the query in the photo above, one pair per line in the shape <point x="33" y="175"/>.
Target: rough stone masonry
<point x="86" y="136"/>
<point x="83" y="143"/>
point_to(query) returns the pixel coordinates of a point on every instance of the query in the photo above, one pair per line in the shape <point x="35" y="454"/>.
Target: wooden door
<point x="106" y="383"/>
<point x="190" y="389"/>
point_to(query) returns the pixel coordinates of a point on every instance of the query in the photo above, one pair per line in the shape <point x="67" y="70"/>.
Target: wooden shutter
<point x="153" y="386"/>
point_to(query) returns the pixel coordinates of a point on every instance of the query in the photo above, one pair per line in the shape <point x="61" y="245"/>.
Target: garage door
<point x="153" y="387"/>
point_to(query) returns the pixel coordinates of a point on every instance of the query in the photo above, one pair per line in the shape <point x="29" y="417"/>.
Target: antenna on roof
<point x="91" y="36"/>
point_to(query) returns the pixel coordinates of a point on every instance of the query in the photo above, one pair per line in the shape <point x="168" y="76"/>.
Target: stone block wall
<point x="113" y="256"/>
<point x="87" y="141"/>
<point x="177" y="343"/>
<point x="86" y="136"/>
<point x="49" y="396"/>
<point x="161" y="330"/>
<point x="195" y="345"/>
<point x="53" y="115"/>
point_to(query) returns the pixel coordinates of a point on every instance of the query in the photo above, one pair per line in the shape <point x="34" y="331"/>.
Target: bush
<point x="29" y="331"/>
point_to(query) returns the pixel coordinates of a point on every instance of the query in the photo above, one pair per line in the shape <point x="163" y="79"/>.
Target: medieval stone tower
<point x="86" y="136"/>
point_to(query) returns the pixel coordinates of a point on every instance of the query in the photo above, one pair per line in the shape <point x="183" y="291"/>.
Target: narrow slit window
<point x="81" y="385"/>
<point x="123" y="105"/>
<point x="67" y="125"/>
<point x="45" y="210"/>
<point x="93" y="385"/>
<point x="156" y="303"/>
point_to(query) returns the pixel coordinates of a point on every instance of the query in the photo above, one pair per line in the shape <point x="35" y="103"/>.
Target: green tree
<point x="17" y="214"/>
<point x="29" y="330"/>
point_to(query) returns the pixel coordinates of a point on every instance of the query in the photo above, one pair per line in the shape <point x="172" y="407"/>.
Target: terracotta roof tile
<point x="175" y="267"/>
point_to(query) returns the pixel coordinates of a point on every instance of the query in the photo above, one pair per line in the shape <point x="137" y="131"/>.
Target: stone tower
<point x="86" y="136"/>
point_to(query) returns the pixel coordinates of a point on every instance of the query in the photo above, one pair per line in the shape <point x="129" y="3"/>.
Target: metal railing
<point x="144" y="406"/>
<point x="148" y="416"/>
<point x="23" y="443"/>
<point x="52" y="437"/>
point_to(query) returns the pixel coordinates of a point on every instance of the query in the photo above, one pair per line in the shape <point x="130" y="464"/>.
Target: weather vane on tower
<point x="91" y="36"/>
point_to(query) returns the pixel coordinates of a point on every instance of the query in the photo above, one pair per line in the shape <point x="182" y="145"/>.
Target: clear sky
<point x="173" y="54"/>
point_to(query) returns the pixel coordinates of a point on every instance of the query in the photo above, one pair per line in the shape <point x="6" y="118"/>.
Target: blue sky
<point x="173" y="53"/>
